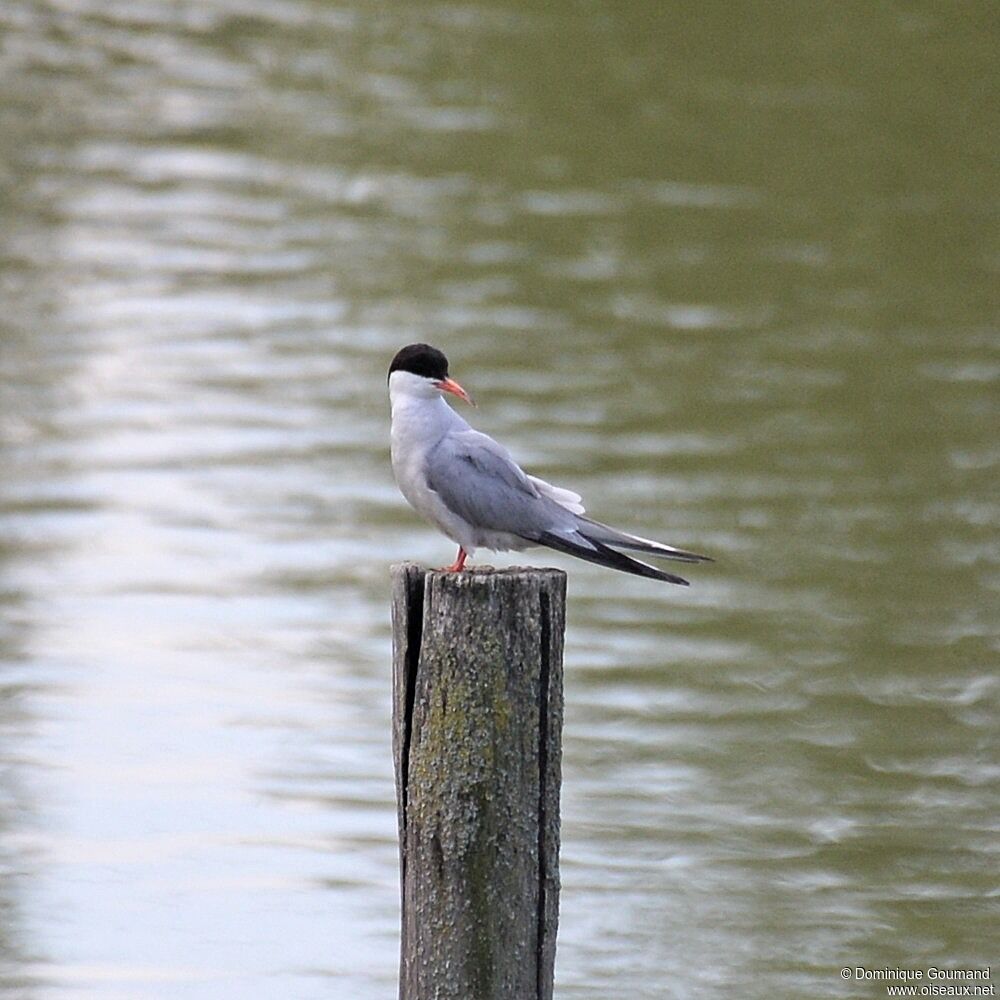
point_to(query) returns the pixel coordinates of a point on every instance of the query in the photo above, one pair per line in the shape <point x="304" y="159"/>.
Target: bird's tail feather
<point x="606" y="535"/>
<point x="595" y="551"/>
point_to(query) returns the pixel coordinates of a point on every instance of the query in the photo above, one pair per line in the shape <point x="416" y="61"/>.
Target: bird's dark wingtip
<point x="603" y="555"/>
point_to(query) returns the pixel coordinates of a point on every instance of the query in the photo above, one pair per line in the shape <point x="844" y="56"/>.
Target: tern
<point x="471" y="488"/>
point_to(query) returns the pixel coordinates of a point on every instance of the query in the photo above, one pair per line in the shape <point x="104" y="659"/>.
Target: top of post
<point x="480" y="573"/>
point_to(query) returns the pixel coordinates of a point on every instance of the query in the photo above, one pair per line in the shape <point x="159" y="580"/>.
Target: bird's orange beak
<point x="450" y="385"/>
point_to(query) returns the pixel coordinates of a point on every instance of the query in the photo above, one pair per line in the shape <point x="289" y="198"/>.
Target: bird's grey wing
<point x="477" y="479"/>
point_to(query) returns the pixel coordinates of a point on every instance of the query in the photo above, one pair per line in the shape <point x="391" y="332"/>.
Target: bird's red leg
<point x="459" y="563"/>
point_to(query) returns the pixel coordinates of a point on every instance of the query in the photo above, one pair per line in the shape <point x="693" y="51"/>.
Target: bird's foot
<point x="458" y="565"/>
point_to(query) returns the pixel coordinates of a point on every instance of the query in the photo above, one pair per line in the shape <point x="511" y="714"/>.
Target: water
<point x="730" y="273"/>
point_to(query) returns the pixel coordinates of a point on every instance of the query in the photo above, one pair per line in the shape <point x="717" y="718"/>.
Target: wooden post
<point x="477" y="742"/>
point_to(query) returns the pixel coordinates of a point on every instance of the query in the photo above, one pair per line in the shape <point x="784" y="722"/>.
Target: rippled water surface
<point x="731" y="272"/>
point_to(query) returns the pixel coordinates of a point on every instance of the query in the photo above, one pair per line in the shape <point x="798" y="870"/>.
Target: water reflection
<point x="733" y="280"/>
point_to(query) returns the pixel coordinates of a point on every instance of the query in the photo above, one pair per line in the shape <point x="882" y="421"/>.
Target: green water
<point x="728" y="270"/>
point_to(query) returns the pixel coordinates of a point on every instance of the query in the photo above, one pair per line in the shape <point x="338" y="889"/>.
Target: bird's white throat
<point x="407" y="386"/>
<point x="420" y="417"/>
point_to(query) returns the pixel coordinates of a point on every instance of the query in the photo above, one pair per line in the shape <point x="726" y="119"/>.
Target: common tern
<point x="469" y="487"/>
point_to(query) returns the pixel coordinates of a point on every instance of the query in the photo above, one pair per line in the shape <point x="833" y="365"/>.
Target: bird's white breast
<point x="419" y="422"/>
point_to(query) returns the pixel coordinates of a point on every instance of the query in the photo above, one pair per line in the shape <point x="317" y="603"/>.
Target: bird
<point x="472" y="490"/>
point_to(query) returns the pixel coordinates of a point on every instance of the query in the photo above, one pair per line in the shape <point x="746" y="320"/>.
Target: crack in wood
<point x="543" y="768"/>
<point x="414" y="637"/>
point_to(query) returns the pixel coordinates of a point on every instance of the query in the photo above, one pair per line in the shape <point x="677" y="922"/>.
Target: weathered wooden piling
<point x="477" y="743"/>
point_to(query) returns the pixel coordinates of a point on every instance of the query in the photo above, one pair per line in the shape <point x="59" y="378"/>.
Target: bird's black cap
<point x="420" y="359"/>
